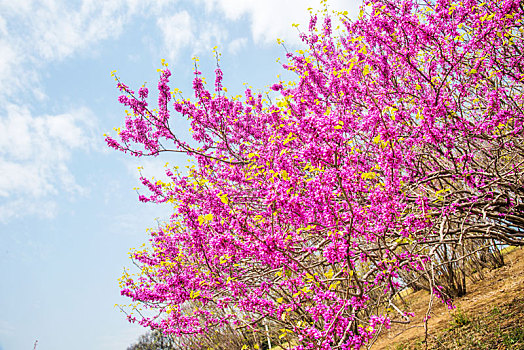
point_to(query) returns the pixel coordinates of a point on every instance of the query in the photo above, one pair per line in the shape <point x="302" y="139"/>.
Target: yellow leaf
<point x="334" y="285"/>
<point x="369" y="176"/>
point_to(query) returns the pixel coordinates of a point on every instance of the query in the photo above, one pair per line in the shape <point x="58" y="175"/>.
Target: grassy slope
<point x="489" y="316"/>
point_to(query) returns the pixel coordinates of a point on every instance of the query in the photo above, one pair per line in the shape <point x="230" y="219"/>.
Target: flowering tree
<point x="401" y="137"/>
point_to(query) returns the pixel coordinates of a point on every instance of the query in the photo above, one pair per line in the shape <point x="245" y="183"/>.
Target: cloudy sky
<point x="68" y="211"/>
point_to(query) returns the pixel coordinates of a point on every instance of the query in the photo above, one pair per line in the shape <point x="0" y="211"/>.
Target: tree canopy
<point x="396" y="151"/>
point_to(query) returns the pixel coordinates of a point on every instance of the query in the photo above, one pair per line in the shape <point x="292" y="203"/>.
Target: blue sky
<point x="68" y="211"/>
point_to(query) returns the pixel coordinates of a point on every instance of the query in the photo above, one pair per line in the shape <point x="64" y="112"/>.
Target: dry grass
<point x="489" y="316"/>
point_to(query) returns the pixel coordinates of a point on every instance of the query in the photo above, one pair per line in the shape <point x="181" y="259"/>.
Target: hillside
<point x="489" y="316"/>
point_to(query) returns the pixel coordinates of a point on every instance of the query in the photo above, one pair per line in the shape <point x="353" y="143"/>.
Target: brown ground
<point x="489" y="316"/>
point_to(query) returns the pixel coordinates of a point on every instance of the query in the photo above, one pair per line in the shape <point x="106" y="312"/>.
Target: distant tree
<point x="154" y="340"/>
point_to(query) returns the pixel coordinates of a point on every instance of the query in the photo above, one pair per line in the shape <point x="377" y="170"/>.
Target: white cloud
<point x="20" y="207"/>
<point x="50" y="137"/>
<point x="58" y="30"/>
<point x="19" y="6"/>
<point x="236" y="45"/>
<point x="272" y="19"/>
<point x="177" y="32"/>
<point x="10" y="68"/>
<point x="3" y="26"/>
<point x="181" y="31"/>
<point x="34" y="156"/>
<point x="34" y="33"/>
<point x="210" y="34"/>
